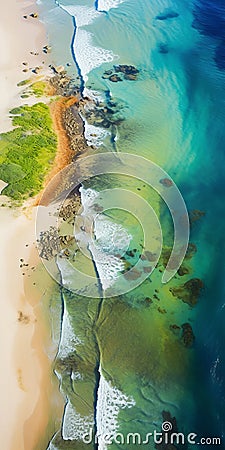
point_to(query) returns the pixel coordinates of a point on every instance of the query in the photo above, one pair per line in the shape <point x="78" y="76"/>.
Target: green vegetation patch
<point x="27" y="152"/>
<point x="23" y="83"/>
<point x="39" y="88"/>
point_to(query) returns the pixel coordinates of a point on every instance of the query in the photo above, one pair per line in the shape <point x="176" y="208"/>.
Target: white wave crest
<point x="88" y="56"/>
<point x="111" y="237"/>
<point x="68" y="339"/>
<point x="94" y="135"/>
<point x="106" y="5"/>
<point x="108" y="266"/>
<point x="74" y="425"/>
<point x="111" y="241"/>
<point x="110" y="400"/>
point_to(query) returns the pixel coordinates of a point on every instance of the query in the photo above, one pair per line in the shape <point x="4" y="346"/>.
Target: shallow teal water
<point x="174" y="115"/>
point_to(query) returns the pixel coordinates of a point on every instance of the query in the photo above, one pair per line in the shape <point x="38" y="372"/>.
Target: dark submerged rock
<point x="115" y="78"/>
<point x="175" y="328"/>
<point x="166" y="182"/>
<point x="130" y="76"/>
<point x="188" y="337"/>
<point x="126" y="69"/>
<point x="188" y="292"/>
<point x="163" y="48"/>
<point x="167" y="14"/>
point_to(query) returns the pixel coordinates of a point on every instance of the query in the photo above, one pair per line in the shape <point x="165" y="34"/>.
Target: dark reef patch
<point x="167" y="14"/>
<point x="189" y="291"/>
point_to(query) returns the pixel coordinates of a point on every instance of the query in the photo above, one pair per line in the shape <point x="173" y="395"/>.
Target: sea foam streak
<point x="109" y="402"/>
<point x="74" y="425"/>
<point x="106" y="5"/>
<point x="110" y="239"/>
<point x="86" y="54"/>
<point x="68" y="339"/>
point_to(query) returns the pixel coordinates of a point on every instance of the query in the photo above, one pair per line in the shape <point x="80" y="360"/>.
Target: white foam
<point x="94" y="95"/>
<point x="88" y="197"/>
<point x="51" y="447"/>
<point x="110" y="239"/>
<point x="68" y="340"/>
<point x="74" y="425"/>
<point x="88" y="56"/>
<point x="94" y="135"/>
<point x="106" y="5"/>
<point x="84" y="15"/>
<point x="110" y="400"/>
<point x="108" y="266"/>
<point x="76" y="376"/>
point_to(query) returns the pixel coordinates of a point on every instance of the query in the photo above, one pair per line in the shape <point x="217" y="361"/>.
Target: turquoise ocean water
<point x="119" y="363"/>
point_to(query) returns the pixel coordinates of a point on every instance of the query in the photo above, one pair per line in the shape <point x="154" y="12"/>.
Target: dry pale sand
<point x="18" y="37"/>
<point x="28" y="393"/>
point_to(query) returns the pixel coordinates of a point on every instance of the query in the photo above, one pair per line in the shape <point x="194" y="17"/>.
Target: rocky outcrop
<point x="127" y="72"/>
<point x="115" y="78"/>
<point x="188" y="337"/>
<point x="188" y="292"/>
<point x="49" y="243"/>
<point x="47" y="49"/>
<point x="34" y="15"/>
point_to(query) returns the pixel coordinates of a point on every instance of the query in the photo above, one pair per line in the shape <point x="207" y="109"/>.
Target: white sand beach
<point x="21" y="41"/>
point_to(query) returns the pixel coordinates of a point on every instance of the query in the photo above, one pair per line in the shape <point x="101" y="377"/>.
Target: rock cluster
<point x="47" y="49"/>
<point x="188" y="337"/>
<point x="103" y="115"/>
<point x="23" y="318"/>
<point x="37" y="70"/>
<point x="183" y="271"/>
<point x="189" y="291"/>
<point x="34" y="15"/>
<point x="196" y="214"/>
<point x="175" y="328"/>
<point x="70" y="208"/>
<point x="127" y="72"/>
<point x="74" y="129"/>
<point x="49" y="243"/>
<point x="62" y="83"/>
